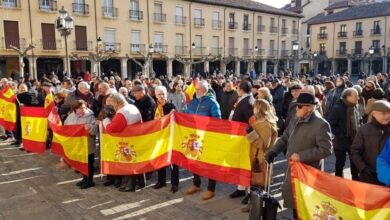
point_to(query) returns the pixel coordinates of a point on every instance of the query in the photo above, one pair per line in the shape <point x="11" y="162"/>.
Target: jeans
<point x="341" y="156"/>
<point x="211" y="185"/>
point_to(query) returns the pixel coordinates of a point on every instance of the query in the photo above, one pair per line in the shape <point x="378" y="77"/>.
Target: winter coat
<point x="243" y="110"/>
<point x="311" y="139"/>
<point x="89" y="99"/>
<point x="383" y="165"/>
<point x="227" y="102"/>
<point x="87" y="119"/>
<point x="179" y="100"/>
<point x="331" y="98"/>
<point x="278" y="95"/>
<point x="366" y="146"/>
<point x="146" y="106"/>
<point x="206" y="106"/>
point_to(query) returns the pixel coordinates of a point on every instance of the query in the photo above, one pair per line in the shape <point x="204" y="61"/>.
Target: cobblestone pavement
<point x="32" y="188"/>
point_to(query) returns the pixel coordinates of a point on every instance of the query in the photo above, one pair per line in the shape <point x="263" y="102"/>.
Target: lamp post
<point x="65" y="25"/>
<point x="150" y="59"/>
<point x="100" y="55"/>
<point x="21" y="54"/>
<point x="315" y="62"/>
<point x="295" y="50"/>
<point x="384" y="63"/>
<point x="371" y="52"/>
<point x="193" y="46"/>
<point x="254" y="59"/>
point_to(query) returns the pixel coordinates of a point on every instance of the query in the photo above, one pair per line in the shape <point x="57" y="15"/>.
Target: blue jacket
<point x="206" y="106"/>
<point x="383" y="165"/>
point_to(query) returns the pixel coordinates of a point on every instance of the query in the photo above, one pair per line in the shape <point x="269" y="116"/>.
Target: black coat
<point x="227" y="102"/>
<point x="28" y="99"/>
<point x="168" y="107"/>
<point x="146" y="106"/>
<point x="243" y="111"/>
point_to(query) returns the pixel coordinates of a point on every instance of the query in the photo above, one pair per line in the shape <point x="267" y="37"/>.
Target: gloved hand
<point x="270" y="156"/>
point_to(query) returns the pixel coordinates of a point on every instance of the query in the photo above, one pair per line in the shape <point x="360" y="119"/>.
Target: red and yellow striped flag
<point x="210" y="147"/>
<point x="49" y="103"/>
<point x="139" y="148"/>
<point x="190" y="91"/>
<point x="8" y="109"/>
<point x="34" y="128"/>
<point x="71" y="143"/>
<point x="319" y="195"/>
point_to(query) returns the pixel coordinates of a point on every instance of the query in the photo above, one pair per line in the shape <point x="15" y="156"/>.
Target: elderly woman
<point x="177" y="97"/>
<point x="125" y="114"/>
<point x="164" y="108"/>
<point x="81" y="115"/>
<point x="123" y="91"/>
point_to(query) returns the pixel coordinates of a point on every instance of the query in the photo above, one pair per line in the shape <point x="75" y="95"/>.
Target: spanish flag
<point x="190" y="91"/>
<point x="211" y="147"/>
<point x="8" y="109"/>
<point x="34" y="128"/>
<point x="49" y="103"/>
<point x="71" y="143"/>
<point x="320" y="195"/>
<point x="137" y="149"/>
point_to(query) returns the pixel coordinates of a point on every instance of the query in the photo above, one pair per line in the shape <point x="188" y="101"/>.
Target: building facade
<point x="226" y="34"/>
<point x="354" y="40"/>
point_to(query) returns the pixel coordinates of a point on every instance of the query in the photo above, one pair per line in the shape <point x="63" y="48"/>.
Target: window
<point x="45" y="4"/>
<point x="358" y="47"/>
<point x="323" y="48"/>
<point x="322" y="30"/>
<point x="272" y="51"/>
<point x="135" y="13"/>
<point x="259" y="43"/>
<point x="283" y="45"/>
<point x="135" y="41"/>
<point x="232" y="21"/>
<point x="158" y="12"/>
<point x="48" y="37"/>
<point x="272" y="22"/>
<point x="159" y="41"/>
<point x="134" y="5"/>
<point x="358" y="26"/>
<point x="259" y="20"/>
<point x="232" y="49"/>
<point x="11" y="34"/>
<point x="198" y="20"/>
<point x="294" y="25"/>
<point x="9" y="3"/>
<point x="180" y="15"/>
<point x="342" y="48"/>
<point x="283" y="23"/>
<point x="215" y="43"/>
<point x="109" y="39"/>
<point x="198" y="44"/>
<point x="376" y="45"/>
<point x="216" y="21"/>
<point x="246" y="43"/>
<point x="81" y="38"/>
<point x="377" y="28"/>
<point x="246" y="22"/>
<point x="179" y="44"/>
<point x="108" y="10"/>
<point x="343" y="28"/>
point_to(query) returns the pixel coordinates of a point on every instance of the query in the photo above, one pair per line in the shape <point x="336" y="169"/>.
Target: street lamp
<point x="371" y="52"/>
<point x="100" y="55"/>
<point x="150" y="59"/>
<point x="65" y="25"/>
<point x="295" y="49"/>
<point x="315" y="63"/>
<point x="193" y="46"/>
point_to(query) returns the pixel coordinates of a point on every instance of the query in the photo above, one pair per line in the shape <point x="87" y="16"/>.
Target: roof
<point x="337" y="5"/>
<point x="248" y="5"/>
<point x="357" y="12"/>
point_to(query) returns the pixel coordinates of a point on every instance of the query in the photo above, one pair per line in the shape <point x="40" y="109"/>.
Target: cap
<point x="381" y="106"/>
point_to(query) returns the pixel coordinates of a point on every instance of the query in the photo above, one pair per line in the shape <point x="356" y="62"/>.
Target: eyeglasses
<point x="301" y="106"/>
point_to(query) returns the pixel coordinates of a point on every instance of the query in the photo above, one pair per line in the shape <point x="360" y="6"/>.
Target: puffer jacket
<point x="206" y="106"/>
<point x="383" y="165"/>
<point x="87" y="119"/>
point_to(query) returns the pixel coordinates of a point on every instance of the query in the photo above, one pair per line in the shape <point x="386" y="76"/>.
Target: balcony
<point x="284" y="30"/>
<point x="137" y="48"/>
<point x="217" y="24"/>
<point x="198" y="22"/>
<point x="83" y="46"/>
<point x="247" y="52"/>
<point x="51" y="45"/>
<point x="233" y="25"/>
<point x="10" y="4"/>
<point x="260" y="28"/>
<point x="136" y="15"/>
<point x="160" y="48"/>
<point x="357" y="51"/>
<point x="199" y="51"/>
<point x="181" y="50"/>
<point x="112" y="47"/>
<point x="342" y="52"/>
<point x="273" y="53"/>
<point x="376" y="31"/>
<point x="233" y="51"/>
<point x="295" y="31"/>
<point x="48" y="6"/>
<point x="181" y="20"/>
<point x="216" y="50"/>
<point x="260" y="52"/>
<point x="160" y="18"/>
<point x="18" y="43"/>
<point x="342" y="34"/>
<point x="377" y="51"/>
<point x="110" y="12"/>
<point x="322" y="36"/>
<point x="273" y="29"/>
<point x="358" y="33"/>
<point x="322" y="52"/>
<point x="81" y="9"/>
<point x="246" y="27"/>
<point x="284" y="53"/>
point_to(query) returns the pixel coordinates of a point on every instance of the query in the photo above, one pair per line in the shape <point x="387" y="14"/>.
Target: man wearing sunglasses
<point x="307" y="139"/>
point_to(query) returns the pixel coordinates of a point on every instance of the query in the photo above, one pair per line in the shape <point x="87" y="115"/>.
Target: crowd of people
<point x="305" y="118"/>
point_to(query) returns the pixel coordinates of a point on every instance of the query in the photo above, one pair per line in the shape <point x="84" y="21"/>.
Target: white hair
<point x="123" y="90"/>
<point x="161" y="89"/>
<point x="118" y="98"/>
<point x="204" y="84"/>
<point x="82" y="85"/>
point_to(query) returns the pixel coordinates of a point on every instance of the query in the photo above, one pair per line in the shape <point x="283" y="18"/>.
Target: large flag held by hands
<point x="8" y="109"/>
<point x="190" y="91"/>
<point x="322" y="196"/>
<point x="34" y="128"/>
<point x="49" y="103"/>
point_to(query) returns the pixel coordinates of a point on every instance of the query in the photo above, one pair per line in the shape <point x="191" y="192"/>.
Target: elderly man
<point x="83" y="93"/>
<point x="344" y="121"/>
<point x="370" y="140"/>
<point x="307" y="139"/>
<point x="205" y="105"/>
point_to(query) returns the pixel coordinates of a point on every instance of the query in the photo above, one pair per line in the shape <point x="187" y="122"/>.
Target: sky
<point x="275" y="3"/>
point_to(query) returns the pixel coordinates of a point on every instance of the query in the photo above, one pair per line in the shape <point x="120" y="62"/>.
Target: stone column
<point x="334" y="67"/>
<point x="350" y="66"/>
<point x="264" y="66"/>
<point x="288" y="65"/>
<point x="206" y="66"/>
<point x="238" y="67"/>
<point x="124" y="67"/>
<point x="32" y="64"/>
<point x="187" y="70"/>
<point x="169" y="68"/>
<point x="223" y="67"/>
<point x="384" y="70"/>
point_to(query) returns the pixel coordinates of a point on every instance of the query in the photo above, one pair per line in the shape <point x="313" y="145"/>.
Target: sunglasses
<point x="301" y="106"/>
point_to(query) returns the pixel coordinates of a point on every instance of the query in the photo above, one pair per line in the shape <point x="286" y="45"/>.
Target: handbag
<point x="258" y="176"/>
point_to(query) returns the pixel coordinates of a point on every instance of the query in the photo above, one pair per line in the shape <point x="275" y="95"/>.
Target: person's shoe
<point x="108" y="183"/>
<point x="192" y="190"/>
<point x="140" y="187"/>
<point x="9" y="139"/>
<point x="16" y="143"/>
<point x="246" y="209"/>
<point x="21" y="149"/>
<point x="174" y="189"/>
<point x="87" y="184"/>
<point x="237" y="193"/>
<point x="126" y="189"/>
<point x="117" y="183"/>
<point x="245" y="200"/>
<point x="159" y="185"/>
<point x="207" y="195"/>
<point x="81" y="182"/>
<point x="3" y="137"/>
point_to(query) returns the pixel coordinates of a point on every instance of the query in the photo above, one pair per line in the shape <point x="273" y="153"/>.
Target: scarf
<point x="159" y="111"/>
<point x="352" y="121"/>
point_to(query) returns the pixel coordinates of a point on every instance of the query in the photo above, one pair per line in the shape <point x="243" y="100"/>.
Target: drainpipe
<point x="190" y="45"/>
<point x="384" y="65"/>
<point x="34" y="73"/>
<point x="96" y="26"/>
<point x="277" y="46"/>
<point x="147" y="9"/>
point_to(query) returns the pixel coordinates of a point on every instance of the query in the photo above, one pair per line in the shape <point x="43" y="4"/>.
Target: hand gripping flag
<point x="8" y="109"/>
<point x="319" y="195"/>
<point x="34" y="128"/>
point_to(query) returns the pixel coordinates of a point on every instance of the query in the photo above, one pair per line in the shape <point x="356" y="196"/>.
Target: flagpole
<point x="101" y="146"/>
